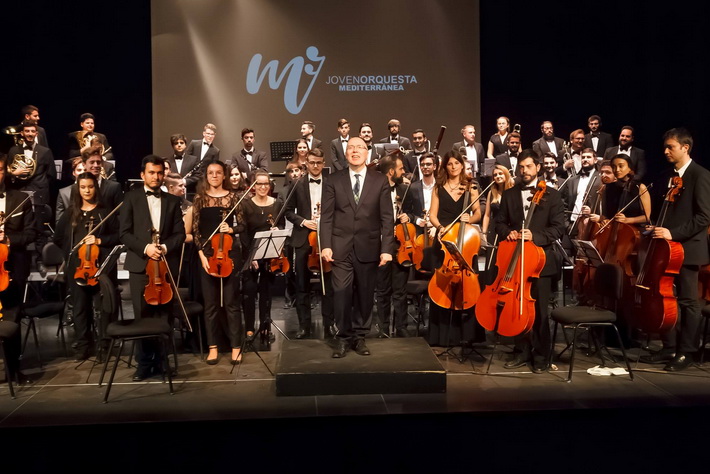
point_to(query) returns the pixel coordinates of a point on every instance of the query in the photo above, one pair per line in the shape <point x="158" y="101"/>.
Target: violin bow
<point x="606" y="224"/>
<point x="177" y="289"/>
<point x="5" y="217"/>
<point x="96" y="227"/>
<point x="467" y="208"/>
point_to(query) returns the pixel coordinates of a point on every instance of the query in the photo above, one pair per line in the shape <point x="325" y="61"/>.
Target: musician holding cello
<point x="218" y="258"/>
<point x="546" y="226"/>
<point x="76" y="227"/>
<point x="687" y="222"/>
<point x="453" y="191"/>
<point x="147" y="209"/>
<point x="303" y="211"/>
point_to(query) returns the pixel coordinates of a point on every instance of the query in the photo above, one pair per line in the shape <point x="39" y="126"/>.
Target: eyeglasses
<point x="316" y="163"/>
<point x="356" y="147"/>
<point x="262" y="184"/>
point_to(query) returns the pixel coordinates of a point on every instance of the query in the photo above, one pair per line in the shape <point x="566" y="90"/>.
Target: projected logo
<point x="294" y="72"/>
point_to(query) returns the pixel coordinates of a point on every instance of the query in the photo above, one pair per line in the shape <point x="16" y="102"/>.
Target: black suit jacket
<point x="337" y="156"/>
<point x="547" y="225"/>
<point x="188" y="164"/>
<point x="571" y="189"/>
<point x="45" y="173"/>
<point x="504" y="160"/>
<point x="195" y="148"/>
<point x="688" y="216"/>
<point x="75" y="149"/>
<point x="638" y="160"/>
<point x="605" y="141"/>
<point x="403" y="142"/>
<point x="300" y="208"/>
<point x="110" y="193"/>
<point x="20" y="229"/>
<point x="364" y="229"/>
<point x="135" y="229"/>
<point x="479" y="151"/>
<point x="540" y="147"/>
<point x="260" y="161"/>
<point x="414" y="203"/>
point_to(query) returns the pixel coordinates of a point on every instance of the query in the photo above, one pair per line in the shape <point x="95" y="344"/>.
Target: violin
<point x="506" y="306"/>
<point x="315" y="262"/>
<point x="280" y="264"/>
<point x="158" y="290"/>
<point x="656" y="308"/>
<point x="85" y="273"/>
<point x="452" y="285"/>
<point x="220" y="264"/>
<point x="409" y="252"/>
<point x="4" y="254"/>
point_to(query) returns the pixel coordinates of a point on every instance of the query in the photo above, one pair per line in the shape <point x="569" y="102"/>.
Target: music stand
<point x="589" y="251"/>
<point x="488" y="165"/>
<point x="282" y="151"/>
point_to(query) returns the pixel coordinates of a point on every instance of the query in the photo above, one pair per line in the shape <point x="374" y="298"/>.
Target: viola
<point x="452" y="285"/>
<point x="506" y="306"/>
<point x="85" y="273"/>
<point x="280" y="264"/>
<point x="409" y="252"/>
<point x="158" y="290"/>
<point x="220" y="264"/>
<point x="656" y="308"/>
<point x="315" y="262"/>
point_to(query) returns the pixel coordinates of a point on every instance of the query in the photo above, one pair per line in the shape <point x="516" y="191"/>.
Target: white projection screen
<point x="271" y="64"/>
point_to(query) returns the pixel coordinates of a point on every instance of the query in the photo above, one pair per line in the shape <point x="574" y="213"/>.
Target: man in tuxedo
<point x="509" y="159"/>
<point x="547" y="225"/>
<point x="472" y="150"/>
<point x="22" y="179"/>
<point x="637" y="155"/>
<point x="249" y="159"/>
<point x="81" y="140"/>
<point x="394" y="127"/>
<point x="183" y="163"/>
<point x="357" y="237"/>
<point x="596" y="139"/>
<point x="110" y="192"/>
<point x="64" y="196"/>
<point x="686" y="222"/>
<point x="365" y="133"/>
<point x="31" y="113"/>
<point x="303" y="211"/>
<point x="145" y="210"/>
<point x="307" y="130"/>
<point x="418" y="200"/>
<point x="205" y="149"/>
<point x="18" y="231"/>
<point x="549" y="171"/>
<point x="549" y="143"/>
<point x="573" y="161"/>
<point x="579" y="188"/>
<point x="412" y="157"/>
<point x="338" y="145"/>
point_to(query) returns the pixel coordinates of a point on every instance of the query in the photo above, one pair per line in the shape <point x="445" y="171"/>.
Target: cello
<point x="506" y="306"/>
<point x="656" y="307"/>
<point x="583" y="272"/>
<point x="158" y="290"/>
<point x="85" y="273"/>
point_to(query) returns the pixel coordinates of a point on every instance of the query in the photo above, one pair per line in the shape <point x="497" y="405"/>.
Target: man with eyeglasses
<point x="205" y="148"/>
<point x="357" y="238"/>
<point x="573" y="160"/>
<point x="303" y="210"/>
<point x="420" y="192"/>
<point x="338" y="145"/>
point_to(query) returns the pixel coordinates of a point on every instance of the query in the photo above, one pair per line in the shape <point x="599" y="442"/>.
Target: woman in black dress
<point x="73" y="227"/>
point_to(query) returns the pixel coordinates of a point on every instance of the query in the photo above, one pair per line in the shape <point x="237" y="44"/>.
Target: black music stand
<point x="587" y="249"/>
<point x="282" y="151"/>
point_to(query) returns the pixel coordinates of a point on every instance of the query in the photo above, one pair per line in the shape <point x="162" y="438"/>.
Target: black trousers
<point x="303" y="291"/>
<point x="85" y="299"/>
<point x="353" y="296"/>
<point x="536" y="343"/>
<point x="257" y="281"/>
<point x="227" y="317"/>
<point x="391" y="291"/>
<point x="147" y="350"/>
<point x="684" y="338"/>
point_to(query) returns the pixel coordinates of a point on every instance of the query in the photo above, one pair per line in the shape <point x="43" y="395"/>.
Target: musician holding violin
<point x="303" y="210"/>
<point x="546" y="226"/>
<point x="453" y="191"/>
<point x="212" y="227"/>
<point x="75" y="227"/>
<point x="686" y="221"/>
<point x="146" y="209"/>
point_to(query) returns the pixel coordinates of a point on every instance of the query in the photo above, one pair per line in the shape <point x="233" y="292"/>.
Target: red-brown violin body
<point x="220" y="264"/>
<point x="85" y="273"/>
<point x="158" y="289"/>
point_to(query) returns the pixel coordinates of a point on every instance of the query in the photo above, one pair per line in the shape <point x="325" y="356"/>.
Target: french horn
<point x="23" y="163"/>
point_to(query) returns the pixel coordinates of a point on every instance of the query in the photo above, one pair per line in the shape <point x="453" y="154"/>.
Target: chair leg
<point x="623" y="351"/>
<point x="113" y="371"/>
<point x="551" y="357"/>
<point x="573" y="349"/>
<point x="166" y="361"/>
<point x="7" y="369"/>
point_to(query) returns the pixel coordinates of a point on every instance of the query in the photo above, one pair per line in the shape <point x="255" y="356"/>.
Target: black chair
<point x="418" y="290"/>
<point x="7" y="330"/>
<point x="134" y="330"/>
<point x="52" y="256"/>
<point x="608" y="284"/>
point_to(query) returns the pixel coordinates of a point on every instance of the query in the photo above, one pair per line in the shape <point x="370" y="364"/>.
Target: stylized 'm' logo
<point x="295" y="69"/>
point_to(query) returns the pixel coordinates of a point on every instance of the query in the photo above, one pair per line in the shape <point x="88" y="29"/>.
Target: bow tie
<point x="178" y="157"/>
<point x="247" y="152"/>
<point x="28" y="147"/>
<point x="595" y="134"/>
<point x="317" y="181"/>
<point x="2" y="195"/>
<point x="205" y="143"/>
<point x="393" y="187"/>
<point x="343" y="141"/>
<point x="624" y="148"/>
<point x="583" y="173"/>
<point x="153" y="193"/>
<point x="528" y="188"/>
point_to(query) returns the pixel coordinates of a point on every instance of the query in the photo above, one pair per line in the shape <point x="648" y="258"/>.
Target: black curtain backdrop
<point x="629" y="62"/>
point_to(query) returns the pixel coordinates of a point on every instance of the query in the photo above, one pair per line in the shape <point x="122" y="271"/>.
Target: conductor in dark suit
<point x="249" y="159"/>
<point x="547" y="225"/>
<point x="145" y="209"/>
<point x="549" y="143"/>
<point x="182" y="163"/>
<point x="637" y="155"/>
<point x="471" y="149"/>
<point x="596" y="139"/>
<point x="338" y="145"/>
<point x="687" y="222"/>
<point x="357" y="237"/>
<point x="205" y="149"/>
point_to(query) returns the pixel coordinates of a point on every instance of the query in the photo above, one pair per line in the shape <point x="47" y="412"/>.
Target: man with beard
<point x="580" y="188"/>
<point x="637" y="155"/>
<point x="596" y="139"/>
<point x="547" y="225"/>
<point x="394" y="137"/>
<point x="421" y="146"/>
<point x="548" y="143"/>
<point x="509" y="159"/>
<point x="392" y="277"/>
<point x="549" y="171"/>
<point x="573" y="161"/>
<point x="365" y="133"/>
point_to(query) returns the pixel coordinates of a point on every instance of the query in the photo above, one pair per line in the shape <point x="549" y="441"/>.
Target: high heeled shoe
<point x="238" y="360"/>
<point x="215" y="360"/>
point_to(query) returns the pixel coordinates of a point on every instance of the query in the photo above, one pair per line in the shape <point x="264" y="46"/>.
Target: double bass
<point x="656" y="307"/>
<point x="506" y="307"/>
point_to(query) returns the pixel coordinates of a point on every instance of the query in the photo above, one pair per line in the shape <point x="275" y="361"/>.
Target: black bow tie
<point x="153" y="193"/>
<point x="595" y="134"/>
<point x="317" y="181"/>
<point x="343" y="140"/>
<point x="2" y="195"/>
<point x="178" y="157"/>
<point x="205" y="143"/>
<point x="624" y="148"/>
<point x="393" y="187"/>
<point x="247" y="152"/>
<point x="529" y="188"/>
<point x="583" y="173"/>
<point x="28" y="147"/>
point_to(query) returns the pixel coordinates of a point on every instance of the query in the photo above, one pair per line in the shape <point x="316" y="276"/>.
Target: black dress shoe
<point x="142" y="373"/>
<point x="518" y="361"/>
<point x="539" y="367"/>
<point x="81" y="355"/>
<point x="679" y="362"/>
<point x="302" y="334"/>
<point x="660" y="357"/>
<point x="329" y="331"/>
<point x="340" y="348"/>
<point x="361" y="348"/>
<point x="401" y="333"/>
